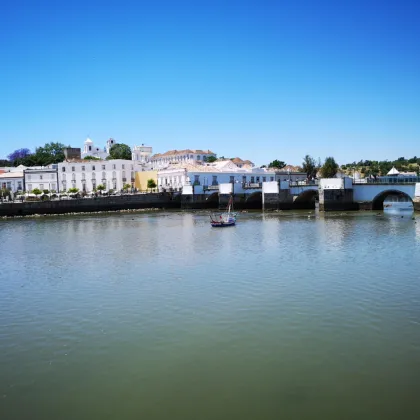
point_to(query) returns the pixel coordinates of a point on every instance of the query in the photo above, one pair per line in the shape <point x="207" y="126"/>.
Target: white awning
<point x="393" y="171"/>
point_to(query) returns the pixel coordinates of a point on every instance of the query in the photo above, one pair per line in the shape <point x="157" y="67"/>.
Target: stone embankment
<point x="90" y="205"/>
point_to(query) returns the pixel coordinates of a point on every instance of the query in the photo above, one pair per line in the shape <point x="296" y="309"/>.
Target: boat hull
<point x="222" y="224"/>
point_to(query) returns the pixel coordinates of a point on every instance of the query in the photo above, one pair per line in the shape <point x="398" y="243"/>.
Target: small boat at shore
<point x="226" y="219"/>
<point x="398" y="205"/>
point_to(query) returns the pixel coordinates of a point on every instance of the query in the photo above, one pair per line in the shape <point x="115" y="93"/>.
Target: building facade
<point x="87" y="175"/>
<point x="12" y="181"/>
<point x="207" y="177"/>
<point x="89" y="149"/>
<point x="188" y="156"/>
<point x="142" y="154"/>
<point x="41" y="179"/>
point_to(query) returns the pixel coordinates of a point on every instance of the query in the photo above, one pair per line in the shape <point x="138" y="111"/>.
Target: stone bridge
<point x="331" y="194"/>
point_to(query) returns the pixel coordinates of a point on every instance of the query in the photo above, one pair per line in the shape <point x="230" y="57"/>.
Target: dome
<point x="88" y="141"/>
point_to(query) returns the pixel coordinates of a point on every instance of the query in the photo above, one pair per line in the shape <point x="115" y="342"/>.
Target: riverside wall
<point x="88" y="205"/>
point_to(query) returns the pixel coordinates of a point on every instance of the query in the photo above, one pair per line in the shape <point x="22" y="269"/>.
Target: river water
<point x="159" y="316"/>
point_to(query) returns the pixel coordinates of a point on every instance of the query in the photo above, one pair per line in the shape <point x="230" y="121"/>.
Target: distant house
<point x="163" y="160"/>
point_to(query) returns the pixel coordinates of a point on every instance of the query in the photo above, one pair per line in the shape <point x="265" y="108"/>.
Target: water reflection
<point x="160" y="316"/>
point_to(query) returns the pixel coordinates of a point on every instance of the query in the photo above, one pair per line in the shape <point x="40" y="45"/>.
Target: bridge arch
<point x="254" y="200"/>
<point x="306" y="199"/>
<point x="378" y="201"/>
<point x="212" y="200"/>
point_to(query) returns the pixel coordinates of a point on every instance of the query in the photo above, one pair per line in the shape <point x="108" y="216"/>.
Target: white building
<point x="89" y="149"/>
<point x="142" y="154"/>
<point x="188" y="156"/>
<point x="207" y="177"/>
<point x="12" y="181"/>
<point x="40" y="178"/>
<point x="89" y="174"/>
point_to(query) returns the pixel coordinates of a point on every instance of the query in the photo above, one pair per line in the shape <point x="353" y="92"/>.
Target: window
<point x="103" y="167"/>
<point x="53" y="187"/>
<point x="271" y="178"/>
<point x="29" y="187"/>
<point x="41" y="186"/>
<point x="198" y="157"/>
<point x="243" y="178"/>
<point x="9" y="185"/>
<point x="123" y="166"/>
<point x="19" y="185"/>
<point x="29" y="177"/>
<point x="252" y="179"/>
<point x="83" y="176"/>
<point x="63" y="177"/>
<point x="258" y="179"/>
<point x="196" y="179"/>
<point x="73" y="177"/>
<point x="93" y="167"/>
<point x="93" y="175"/>
<point x="114" y="166"/>
<point x="40" y="177"/>
<point x="214" y="182"/>
<point x="90" y="148"/>
<point x="83" y="168"/>
<point x="264" y="179"/>
<point x="63" y="169"/>
<point x="103" y="175"/>
<point x="52" y="176"/>
<point x="231" y="179"/>
<point x="114" y="175"/>
<point x="73" y="168"/>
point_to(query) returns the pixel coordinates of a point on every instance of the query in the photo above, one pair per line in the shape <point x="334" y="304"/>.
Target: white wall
<point x="13" y="184"/>
<point x="113" y="174"/>
<point x="331" y="183"/>
<point x="270" y="187"/>
<point x="42" y="179"/>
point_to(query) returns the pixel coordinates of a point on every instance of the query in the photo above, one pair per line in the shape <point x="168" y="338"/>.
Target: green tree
<point x="211" y="159"/>
<point x="73" y="190"/>
<point x="43" y="156"/>
<point x="309" y="166"/>
<point x="91" y="158"/>
<point x="45" y="191"/>
<point x="126" y="187"/>
<point x="329" y="168"/>
<point x="151" y="184"/>
<point x="120" y="151"/>
<point x="36" y="191"/>
<point x="100" y="187"/>
<point x="278" y="164"/>
<point x="5" y="162"/>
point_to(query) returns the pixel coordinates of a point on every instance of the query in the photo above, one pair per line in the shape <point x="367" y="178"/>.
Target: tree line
<point x="53" y="152"/>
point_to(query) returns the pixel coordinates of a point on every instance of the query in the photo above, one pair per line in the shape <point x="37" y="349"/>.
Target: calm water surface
<point x="158" y="316"/>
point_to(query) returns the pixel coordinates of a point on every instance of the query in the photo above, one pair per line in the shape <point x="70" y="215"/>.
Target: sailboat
<point x="226" y="219"/>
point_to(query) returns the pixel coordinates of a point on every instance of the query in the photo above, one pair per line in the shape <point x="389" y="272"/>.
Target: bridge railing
<point x="387" y="181"/>
<point x="304" y="183"/>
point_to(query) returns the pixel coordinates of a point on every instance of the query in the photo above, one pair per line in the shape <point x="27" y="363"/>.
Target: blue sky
<point x="262" y="80"/>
